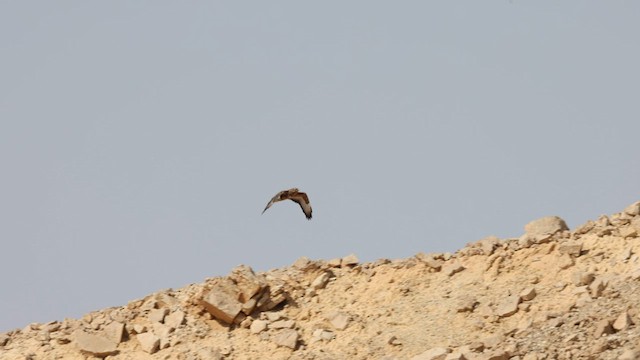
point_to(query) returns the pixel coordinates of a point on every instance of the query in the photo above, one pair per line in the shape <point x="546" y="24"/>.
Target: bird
<point x="292" y="194"/>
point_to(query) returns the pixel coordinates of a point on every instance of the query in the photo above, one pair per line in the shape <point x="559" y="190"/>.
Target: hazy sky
<point x="139" y="141"/>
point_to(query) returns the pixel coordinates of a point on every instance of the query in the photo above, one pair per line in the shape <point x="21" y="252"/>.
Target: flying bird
<point x="294" y="195"/>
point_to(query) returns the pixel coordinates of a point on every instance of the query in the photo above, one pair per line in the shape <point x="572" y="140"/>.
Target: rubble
<point x="550" y="294"/>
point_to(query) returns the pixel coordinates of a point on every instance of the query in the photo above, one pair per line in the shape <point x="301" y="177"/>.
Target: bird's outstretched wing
<point x="294" y="195"/>
<point x="273" y="200"/>
<point x="303" y="200"/>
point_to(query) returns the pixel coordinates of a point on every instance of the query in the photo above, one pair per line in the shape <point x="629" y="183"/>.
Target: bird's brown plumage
<point x="294" y="195"/>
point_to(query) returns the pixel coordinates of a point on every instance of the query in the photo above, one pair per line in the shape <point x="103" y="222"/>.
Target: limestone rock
<point x="339" y="320"/>
<point x="574" y="249"/>
<point x="349" y="260"/>
<point x="157" y="315"/>
<point x="175" y="319"/>
<point x="95" y="345"/>
<point x="283" y="324"/>
<point x="437" y="353"/>
<point x="149" y="342"/>
<point x="287" y="338"/>
<point x="430" y="261"/>
<point x="633" y="209"/>
<point x="508" y="306"/>
<point x="545" y="226"/>
<point x="321" y="281"/>
<point x="452" y="268"/>
<point x="222" y="304"/>
<point x="249" y="284"/>
<point x="528" y="294"/>
<point x="114" y="331"/>
<point x="258" y="326"/>
<point x="622" y="322"/>
<point x="603" y="327"/>
<point x="628" y="232"/>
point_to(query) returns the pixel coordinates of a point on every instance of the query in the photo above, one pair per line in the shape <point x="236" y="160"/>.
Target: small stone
<point x="139" y="328"/>
<point x="283" y="324"/>
<point x="622" y="322"/>
<point x="287" y="338"/>
<point x="349" y="260"/>
<point x="597" y="287"/>
<point x="95" y="345"/>
<point x="339" y="320"/>
<point x="629" y="354"/>
<point x="4" y="339"/>
<point x="220" y="303"/>
<point x="321" y="281"/>
<point x="452" y="268"/>
<point x="581" y="278"/>
<point x="546" y="226"/>
<point x="493" y="341"/>
<point x="528" y="294"/>
<point x="437" y="353"/>
<point x="497" y="355"/>
<point x="149" y="342"/>
<point x="114" y="331"/>
<point x="633" y="209"/>
<point x="175" y="319"/>
<point x="508" y="306"/>
<point x="466" y="304"/>
<point x="628" y="232"/>
<point x="157" y="315"/>
<point x="430" y="261"/>
<point x="573" y="249"/>
<point x="565" y="261"/>
<point x="334" y="263"/>
<point x="603" y="327"/>
<point x="257" y="326"/>
<point x="248" y="283"/>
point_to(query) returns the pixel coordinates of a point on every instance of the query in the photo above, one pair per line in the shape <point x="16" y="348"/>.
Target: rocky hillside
<point x="550" y="294"/>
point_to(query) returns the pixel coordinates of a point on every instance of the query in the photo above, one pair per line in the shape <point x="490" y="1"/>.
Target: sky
<point x="140" y="141"/>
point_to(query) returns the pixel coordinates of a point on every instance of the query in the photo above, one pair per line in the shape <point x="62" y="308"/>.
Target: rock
<point x="430" y="261"/>
<point x="629" y="354"/>
<point x="283" y="324"/>
<point x="597" y="287"/>
<point x="493" y="341"/>
<point x="339" y="320"/>
<point x="545" y="226"/>
<point x="95" y="345"/>
<point x="114" y="331"/>
<point x="222" y="304"/>
<point x="175" y="319"/>
<point x="452" y="268"/>
<point x="157" y="315"/>
<point x="622" y="322"/>
<point x="628" y="232"/>
<point x="334" y="263"/>
<point x="149" y="342"/>
<point x="528" y="294"/>
<point x="603" y="327"/>
<point x="456" y="355"/>
<point x="258" y="326"/>
<point x="573" y="249"/>
<point x="508" y="306"/>
<point x="349" y="260"/>
<point x="565" y="261"/>
<point x="581" y="278"/>
<point x="4" y="339"/>
<point x="496" y="355"/>
<point x="248" y="283"/>
<point x="287" y="338"/>
<point x="437" y="353"/>
<point x="321" y="281"/>
<point x="209" y="353"/>
<point x="633" y="209"/>
<point x="139" y="328"/>
<point x="466" y="304"/>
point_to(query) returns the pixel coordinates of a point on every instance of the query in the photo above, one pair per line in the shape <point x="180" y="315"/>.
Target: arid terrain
<point x="553" y="293"/>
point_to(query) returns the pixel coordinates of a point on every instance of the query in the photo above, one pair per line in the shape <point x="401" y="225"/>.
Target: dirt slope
<point x="550" y="294"/>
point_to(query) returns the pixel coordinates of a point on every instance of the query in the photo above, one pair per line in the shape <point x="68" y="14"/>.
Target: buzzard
<point x="294" y="195"/>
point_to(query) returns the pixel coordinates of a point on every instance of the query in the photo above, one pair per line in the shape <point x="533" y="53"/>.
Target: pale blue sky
<point x="139" y="141"/>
